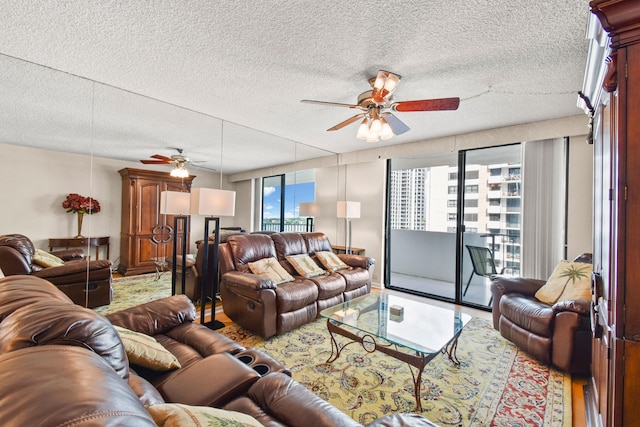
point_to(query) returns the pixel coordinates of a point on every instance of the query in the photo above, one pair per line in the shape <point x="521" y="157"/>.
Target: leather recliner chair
<point x="86" y="283"/>
<point x="557" y="335"/>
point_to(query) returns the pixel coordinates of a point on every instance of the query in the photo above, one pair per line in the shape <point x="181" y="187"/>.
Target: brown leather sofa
<point x="61" y="364"/>
<point x="557" y="335"/>
<point x="87" y="283"/>
<point x="267" y="309"/>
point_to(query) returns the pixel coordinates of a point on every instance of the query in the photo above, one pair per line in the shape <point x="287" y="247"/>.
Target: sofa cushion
<point x="296" y="295"/>
<point x="145" y="351"/>
<point x="304" y="265"/>
<point x="569" y="280"/>
<point x="330" y="261"/>
<point x="271" y="269"/>
<point x="179" y="415"/>
<point x="20" y="290"/>
<point x="528" y="313"/>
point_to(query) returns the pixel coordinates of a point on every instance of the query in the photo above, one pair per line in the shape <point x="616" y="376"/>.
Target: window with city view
<point x="280" y="204"/>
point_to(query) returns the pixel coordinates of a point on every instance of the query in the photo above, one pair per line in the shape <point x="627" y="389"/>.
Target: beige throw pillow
<point x="179" y="415"/>
<point x="271" y="269"/>
<point x="331" y="261"/>
<point x="45" y="259"/>
<point x="145" y="351"/>
<point x="305" y="266"/>
<point x="569" y="280"/>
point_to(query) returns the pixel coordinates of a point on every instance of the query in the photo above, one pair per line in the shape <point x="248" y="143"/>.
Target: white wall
<point x="580" y="200"/>
<point x="36" y="182"/>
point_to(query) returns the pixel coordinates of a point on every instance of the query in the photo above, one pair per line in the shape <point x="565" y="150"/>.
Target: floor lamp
<point x="177" y="203"/>
<point x="309" y="210"/>
<point x="213" y="204"/>
<point x="348" y="210"/>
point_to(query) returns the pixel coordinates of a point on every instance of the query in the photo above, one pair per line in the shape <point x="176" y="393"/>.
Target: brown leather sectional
<point x="267" y="309"/>
<point x="62" y="364"/>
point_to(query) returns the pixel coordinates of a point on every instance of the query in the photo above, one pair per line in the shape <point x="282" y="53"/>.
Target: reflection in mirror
<point x="61" y="134"/>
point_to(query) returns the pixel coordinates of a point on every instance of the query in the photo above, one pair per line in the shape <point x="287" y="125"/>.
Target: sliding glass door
<point x="454" y="220"/>
<point x="490" y="221"/>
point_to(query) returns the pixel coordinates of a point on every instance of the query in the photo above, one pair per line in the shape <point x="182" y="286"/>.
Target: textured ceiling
<point x="248" y="65"/>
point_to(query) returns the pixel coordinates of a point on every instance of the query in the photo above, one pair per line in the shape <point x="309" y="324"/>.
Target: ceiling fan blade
<point x="427" y="105"/>
<point x="384" y="85"/>
<point x="155" y="162"/>
<point x="332" y="104"/>
<point x="161" y="157"/>
<point x="348" y="121"/>
<point x="397" y="126"/>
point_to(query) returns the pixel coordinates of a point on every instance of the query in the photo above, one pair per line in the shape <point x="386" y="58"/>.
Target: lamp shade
<point x="348" y="209"/>
<point x="309" y="209"/>
<point x="212" y="202"/>
<point x="174" y="203"/>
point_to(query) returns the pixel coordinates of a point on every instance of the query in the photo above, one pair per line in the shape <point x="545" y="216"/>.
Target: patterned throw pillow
<point x="331" y="261"/>
<point x="145" y="351"/>
<point x="569" y="280"/>
<point x="305" y="266"/>
<point x="45" y="259"/>
<point x="271" y="269"/>
<point x="179" y="415"/>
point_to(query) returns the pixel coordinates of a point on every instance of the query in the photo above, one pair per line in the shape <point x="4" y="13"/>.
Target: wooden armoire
<point x="613" y="394"/>
<point x="146" y="236"/>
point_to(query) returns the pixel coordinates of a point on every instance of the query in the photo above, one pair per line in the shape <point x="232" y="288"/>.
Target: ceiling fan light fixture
<point x="179" y="171"/>
<point x="363" y="130"/>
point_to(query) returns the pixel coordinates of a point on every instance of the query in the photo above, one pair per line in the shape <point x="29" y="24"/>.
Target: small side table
<point x="339" y="249"/>
<point x="81" y="242"/>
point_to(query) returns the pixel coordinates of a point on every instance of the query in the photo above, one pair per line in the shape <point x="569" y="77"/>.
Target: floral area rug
<point x="134" y="290"/>
<point x="495" y="385"/>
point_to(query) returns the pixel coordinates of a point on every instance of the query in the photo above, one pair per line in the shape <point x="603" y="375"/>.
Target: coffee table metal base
<point x="369" y="343"/>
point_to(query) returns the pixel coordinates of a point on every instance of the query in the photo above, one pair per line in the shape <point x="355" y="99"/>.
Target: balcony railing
<point x="275" y="226"/>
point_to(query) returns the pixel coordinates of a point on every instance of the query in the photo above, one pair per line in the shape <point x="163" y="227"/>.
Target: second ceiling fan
<point x="377" y="121"/>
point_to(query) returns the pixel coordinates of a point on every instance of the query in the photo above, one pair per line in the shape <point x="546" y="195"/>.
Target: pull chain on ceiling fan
<point x="377" y="122"/>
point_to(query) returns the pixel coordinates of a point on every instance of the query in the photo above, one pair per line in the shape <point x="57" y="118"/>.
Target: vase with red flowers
<point x="80" y="205"/>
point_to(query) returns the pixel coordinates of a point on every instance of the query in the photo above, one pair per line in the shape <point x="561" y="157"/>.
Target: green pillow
<point x="145" y="351"/>
<point x="45" y="259"/>
<point x="271" y="269"/>
<point x="305" y="266"/>
<point x="331" y="261"/>
<point x="180" y="415"/>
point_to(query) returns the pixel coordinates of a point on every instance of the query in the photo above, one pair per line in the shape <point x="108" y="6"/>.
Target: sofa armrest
<point x="247" y="284"/>
<point x="211" y="381"/>
<point x="580" y="306"/>
<point x="501" y="285"/>
<point x="69" y="254"/>
<point x="156" y="317"/>
<point x="293" y="405"/>
<point x="12" y="262"/>
<point x="357" y="260"/>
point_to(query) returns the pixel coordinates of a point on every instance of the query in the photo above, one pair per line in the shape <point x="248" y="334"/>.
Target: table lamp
<point x="309" y="210"/>
<point x="348" y="210"/>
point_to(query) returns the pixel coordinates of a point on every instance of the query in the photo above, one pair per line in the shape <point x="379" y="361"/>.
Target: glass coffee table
<point x="410" y="331"/>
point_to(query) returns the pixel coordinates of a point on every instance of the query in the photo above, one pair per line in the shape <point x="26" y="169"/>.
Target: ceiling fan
<point x="179" y="160"/>
<point x="377" y="121"/>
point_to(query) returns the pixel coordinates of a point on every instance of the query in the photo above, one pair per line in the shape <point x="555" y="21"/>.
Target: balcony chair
<point x="483" y="264"/>
<point x="86" y="283"/>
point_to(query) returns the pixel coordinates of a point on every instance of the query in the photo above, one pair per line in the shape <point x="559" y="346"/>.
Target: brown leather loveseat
<point x="61" y="364"/>
<point x="87" y="283"/>
<point x="266" y="308"/>
<point x="557" y="335"/>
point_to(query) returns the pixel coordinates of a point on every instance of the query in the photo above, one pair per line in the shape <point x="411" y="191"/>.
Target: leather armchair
<point x="557" y="335"/>
<point x="86" y="283"/>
